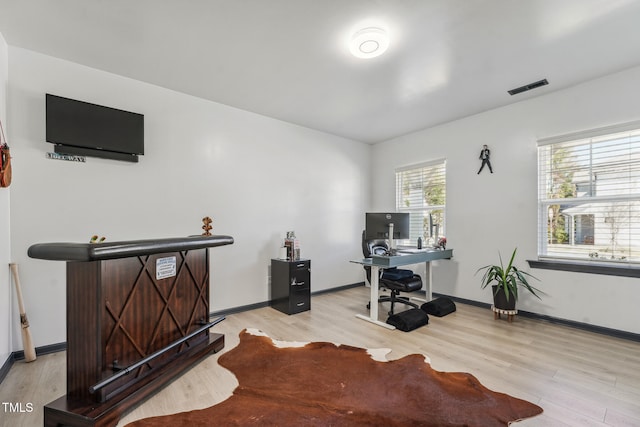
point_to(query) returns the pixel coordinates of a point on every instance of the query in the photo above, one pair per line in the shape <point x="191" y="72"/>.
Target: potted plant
<point x="505" y="290"/>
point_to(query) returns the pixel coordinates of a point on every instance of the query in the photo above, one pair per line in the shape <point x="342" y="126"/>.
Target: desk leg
<point x="373" y="311"/>
<point x="429" y="280"/>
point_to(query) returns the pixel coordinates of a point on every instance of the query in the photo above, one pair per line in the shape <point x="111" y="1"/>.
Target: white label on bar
<point x="165" y="267"/>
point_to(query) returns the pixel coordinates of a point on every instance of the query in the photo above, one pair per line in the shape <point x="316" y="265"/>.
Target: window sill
<point x="610" y="270"/>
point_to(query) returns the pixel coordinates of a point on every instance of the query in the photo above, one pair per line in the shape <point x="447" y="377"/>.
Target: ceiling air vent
<point x="530" y="86"/>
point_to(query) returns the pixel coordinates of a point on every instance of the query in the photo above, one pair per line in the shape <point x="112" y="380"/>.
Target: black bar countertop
<point x="122" y="249"/>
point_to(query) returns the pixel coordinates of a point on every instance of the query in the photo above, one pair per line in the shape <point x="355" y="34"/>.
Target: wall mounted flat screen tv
<point x="81" y="128"/>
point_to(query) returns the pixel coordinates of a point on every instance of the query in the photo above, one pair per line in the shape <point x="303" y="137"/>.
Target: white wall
<point x="255" y="176"/>
<point x="259" y="177"/>
<point x="488" y="213"/>
<point x="5" y="248"/>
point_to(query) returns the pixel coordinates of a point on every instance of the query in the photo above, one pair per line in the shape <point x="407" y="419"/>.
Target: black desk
<point x="381" y="262"/>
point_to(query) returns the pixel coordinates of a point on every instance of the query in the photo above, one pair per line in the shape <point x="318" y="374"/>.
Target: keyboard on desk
<point x="400" y="252"/>
<point x="412" y="251"/>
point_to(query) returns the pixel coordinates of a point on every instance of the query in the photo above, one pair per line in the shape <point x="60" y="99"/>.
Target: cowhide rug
<point x="324" y="384"/>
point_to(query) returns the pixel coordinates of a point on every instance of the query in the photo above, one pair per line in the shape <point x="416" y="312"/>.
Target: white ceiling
<point x="288" y="59"/>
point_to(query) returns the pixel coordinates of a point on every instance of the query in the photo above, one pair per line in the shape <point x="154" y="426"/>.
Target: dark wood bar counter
<point x="137" y="317"/>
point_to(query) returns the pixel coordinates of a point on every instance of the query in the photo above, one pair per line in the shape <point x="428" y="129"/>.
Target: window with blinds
<point x="421" y="191"/>
<point x="589" y="195"/>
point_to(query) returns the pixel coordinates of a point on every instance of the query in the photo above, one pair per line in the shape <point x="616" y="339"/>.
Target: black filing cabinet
<point x="291" y="285"/>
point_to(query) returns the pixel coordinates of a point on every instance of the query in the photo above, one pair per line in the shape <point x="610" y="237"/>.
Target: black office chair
<point x="394" y="279"/>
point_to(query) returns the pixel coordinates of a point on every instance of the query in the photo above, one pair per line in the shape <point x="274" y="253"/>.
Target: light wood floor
<point x="579" y="378"/>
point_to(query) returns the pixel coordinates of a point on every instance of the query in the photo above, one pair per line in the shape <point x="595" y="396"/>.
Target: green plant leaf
<point x="509" y="278"/>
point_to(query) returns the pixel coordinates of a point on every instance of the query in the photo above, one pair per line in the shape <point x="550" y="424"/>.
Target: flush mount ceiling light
<point x="369" y="42"/>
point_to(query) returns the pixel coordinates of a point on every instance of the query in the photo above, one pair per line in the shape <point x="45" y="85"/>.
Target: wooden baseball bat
<point x="27" y="342"/>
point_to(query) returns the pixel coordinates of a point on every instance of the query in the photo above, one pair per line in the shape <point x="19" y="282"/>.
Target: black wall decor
<point x="485" y="154"/>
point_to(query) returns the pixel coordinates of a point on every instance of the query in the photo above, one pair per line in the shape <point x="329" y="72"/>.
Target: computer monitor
<point x="377" y="225"/>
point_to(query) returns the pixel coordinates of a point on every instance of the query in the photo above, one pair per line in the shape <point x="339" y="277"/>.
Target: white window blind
<point x="589" y="196"/>
<point x="421" y="191"/>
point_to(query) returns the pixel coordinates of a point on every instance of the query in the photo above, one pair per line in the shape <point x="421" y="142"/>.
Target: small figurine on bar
<point x="94" y="239"/>
<point x="207" y="226"/>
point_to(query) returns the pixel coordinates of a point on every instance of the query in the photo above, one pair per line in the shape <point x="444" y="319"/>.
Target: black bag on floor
<point x="409" y="320"/>
<point x="439" y="307"/>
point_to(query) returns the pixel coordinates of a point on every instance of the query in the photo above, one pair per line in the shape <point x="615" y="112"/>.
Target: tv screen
<point x="78" y="127"/>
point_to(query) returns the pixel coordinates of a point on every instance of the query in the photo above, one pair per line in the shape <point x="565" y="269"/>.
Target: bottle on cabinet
<point x="293" y="246"/>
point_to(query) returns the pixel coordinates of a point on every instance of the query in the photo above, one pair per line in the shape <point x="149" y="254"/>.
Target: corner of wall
<point x="5" y="247"/>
